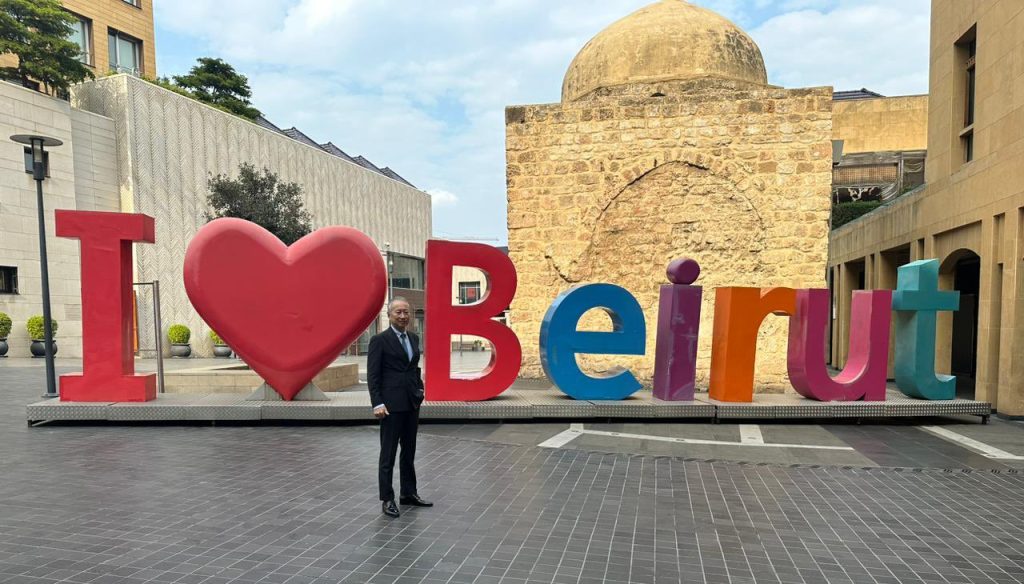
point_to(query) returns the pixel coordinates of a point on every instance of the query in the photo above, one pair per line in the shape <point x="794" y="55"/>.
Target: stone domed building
<point x="668" y="142"/>
<point x="662" y="43"/>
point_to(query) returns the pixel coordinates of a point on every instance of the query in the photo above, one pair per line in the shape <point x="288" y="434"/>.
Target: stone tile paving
<point x="296" y="505"/>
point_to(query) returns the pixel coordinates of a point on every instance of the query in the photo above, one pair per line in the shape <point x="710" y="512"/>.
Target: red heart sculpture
<point x="287" y="311"/>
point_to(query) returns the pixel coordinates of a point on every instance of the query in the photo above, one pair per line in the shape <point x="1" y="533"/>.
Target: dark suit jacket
<point x="393" y="379"/>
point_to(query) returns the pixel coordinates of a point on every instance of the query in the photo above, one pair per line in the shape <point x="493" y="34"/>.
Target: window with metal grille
<point x="125" y="53"/>
<point x="859" y="175"/>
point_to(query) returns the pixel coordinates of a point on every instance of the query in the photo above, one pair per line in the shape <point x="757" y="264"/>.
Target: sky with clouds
<point x="421" y="87"/>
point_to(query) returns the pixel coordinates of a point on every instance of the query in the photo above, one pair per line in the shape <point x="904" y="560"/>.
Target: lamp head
<point x="38" y="145"/>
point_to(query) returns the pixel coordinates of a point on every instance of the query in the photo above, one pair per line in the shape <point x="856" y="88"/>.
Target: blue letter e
<point x="560" y="341"/>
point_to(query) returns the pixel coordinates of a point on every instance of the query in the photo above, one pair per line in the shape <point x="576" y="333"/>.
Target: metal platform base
<point x="896" y="405"/>
<point x="516" y="404"/>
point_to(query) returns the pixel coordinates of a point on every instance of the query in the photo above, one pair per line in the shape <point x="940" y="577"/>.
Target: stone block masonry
<point x="611" y="189"/>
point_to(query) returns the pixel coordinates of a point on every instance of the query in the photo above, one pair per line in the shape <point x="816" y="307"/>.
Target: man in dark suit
<point x="396" y="392"/>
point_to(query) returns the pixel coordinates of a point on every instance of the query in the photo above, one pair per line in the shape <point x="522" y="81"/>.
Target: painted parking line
<point x="751" y="434"/>
<point x="971" y="443"/>
<point x="577" y="430"/>
<point x="561" y="439"/>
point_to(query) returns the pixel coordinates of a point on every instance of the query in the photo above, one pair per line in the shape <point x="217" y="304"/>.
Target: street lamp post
<point x="391" y="263"/>
<point x="38" y="145"/>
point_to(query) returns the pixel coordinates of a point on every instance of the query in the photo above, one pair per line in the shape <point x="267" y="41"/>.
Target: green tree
<point x="263" y="199"/>
<point x="37" y="32"/>
<point x="215" y="82"/>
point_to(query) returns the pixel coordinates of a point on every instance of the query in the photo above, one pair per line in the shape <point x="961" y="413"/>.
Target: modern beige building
<point x="868" y="122"/>
<point x="132" y="146"/>
<point x="115" y="36"/>
<point x="969" y="213"/>
<point x="668" y="142"/>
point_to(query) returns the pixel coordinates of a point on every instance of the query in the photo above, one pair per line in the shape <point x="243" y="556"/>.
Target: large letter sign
<point x="288" y="311"/>
<point x="675" y="357"/>
<point x="108" y="366"/>
<point x="864" y="374"/>
<point x="738" y="316"/>
<point x="560" y="341"/>
<point x="445" y="320"/>
<point x="916" y="300"/>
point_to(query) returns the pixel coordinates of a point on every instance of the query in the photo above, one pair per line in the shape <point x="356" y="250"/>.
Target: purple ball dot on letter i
<point x="675" y="357"/>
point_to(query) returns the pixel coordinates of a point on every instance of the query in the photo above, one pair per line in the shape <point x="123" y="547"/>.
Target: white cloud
<point x="442" y="198"/>
<point x="877" y="44"/>
<point x="422" y="87"/>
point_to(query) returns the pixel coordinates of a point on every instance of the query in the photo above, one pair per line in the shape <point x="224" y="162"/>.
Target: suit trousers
<point x="398" y="428"/>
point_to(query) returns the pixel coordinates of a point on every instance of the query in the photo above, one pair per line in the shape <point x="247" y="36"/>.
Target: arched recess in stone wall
<point x="680" y="208"/>
<point x="956" y="350"/>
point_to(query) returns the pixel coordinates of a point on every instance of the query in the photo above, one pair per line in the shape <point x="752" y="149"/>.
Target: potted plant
<point x="36" y="332"/>
<point x="220" y="348"/>
<point x="5" y="330"/>
<point x="179" y="336"/>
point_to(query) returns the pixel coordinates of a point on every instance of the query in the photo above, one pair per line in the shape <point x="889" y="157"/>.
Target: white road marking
<point x="751" y="434"/>
<point x="971" y="444"/>
<point x="577" y="430"/>
<point x="561" y="439"/>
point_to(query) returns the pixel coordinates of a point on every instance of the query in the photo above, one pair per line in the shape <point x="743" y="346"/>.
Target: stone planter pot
<point x="222" y="351"/>
<point x="4" y="347"/>
<point x="182" y="351"/>
<point x="38" y="348"/>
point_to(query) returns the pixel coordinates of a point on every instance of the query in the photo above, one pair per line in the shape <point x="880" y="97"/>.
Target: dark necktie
<point x="405" y="345"/>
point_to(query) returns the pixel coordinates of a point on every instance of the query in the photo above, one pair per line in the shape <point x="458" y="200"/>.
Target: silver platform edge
<point x="515" y="404"/>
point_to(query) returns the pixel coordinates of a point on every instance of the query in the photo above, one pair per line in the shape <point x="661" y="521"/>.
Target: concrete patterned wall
<point x="81" y="171"/>
<point x="169" y="146"/>
<point x="612" y="189"/>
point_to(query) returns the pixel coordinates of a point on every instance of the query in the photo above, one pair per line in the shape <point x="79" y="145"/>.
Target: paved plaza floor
<point x="926" y="501"/>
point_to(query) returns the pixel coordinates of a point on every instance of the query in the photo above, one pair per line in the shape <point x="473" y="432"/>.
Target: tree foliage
<point x="215" y="82"/>
<point x="37" y="32"/>
<point x="262" y="198"/>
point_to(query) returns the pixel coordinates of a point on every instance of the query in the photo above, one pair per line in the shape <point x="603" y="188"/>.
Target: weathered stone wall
<point x="612" y="189"/>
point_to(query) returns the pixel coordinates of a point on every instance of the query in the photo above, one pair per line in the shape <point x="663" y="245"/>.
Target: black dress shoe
<point x="389" y="508"/>
<point x="415" y="501"/>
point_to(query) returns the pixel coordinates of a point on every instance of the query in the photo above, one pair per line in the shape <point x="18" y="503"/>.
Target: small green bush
<point x="36" y="329"/>
<point x="179" y="334"/>
<point x="843" y="213"/>
<point x="216" y="338"/>
<point x="5" y="325"/>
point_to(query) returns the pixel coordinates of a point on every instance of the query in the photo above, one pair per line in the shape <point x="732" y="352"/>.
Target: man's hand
<point x="380" y="412"/>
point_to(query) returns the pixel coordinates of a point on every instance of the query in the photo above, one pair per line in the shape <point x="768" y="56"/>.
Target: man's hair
<point x="391" y="304"/>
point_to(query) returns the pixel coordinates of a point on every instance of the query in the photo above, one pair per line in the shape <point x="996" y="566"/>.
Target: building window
<point x="406" y="272"/>
<point x="966" y="52"/>
<point x="125" y="53"/>
<point x="81" y="35"/>
<point x="135" y="3"/>
<point x="469" y="292"/>
<point x="8" y="280"/>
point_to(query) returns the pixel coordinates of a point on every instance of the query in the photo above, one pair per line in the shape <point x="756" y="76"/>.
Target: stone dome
<point x="669" y="40"/>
